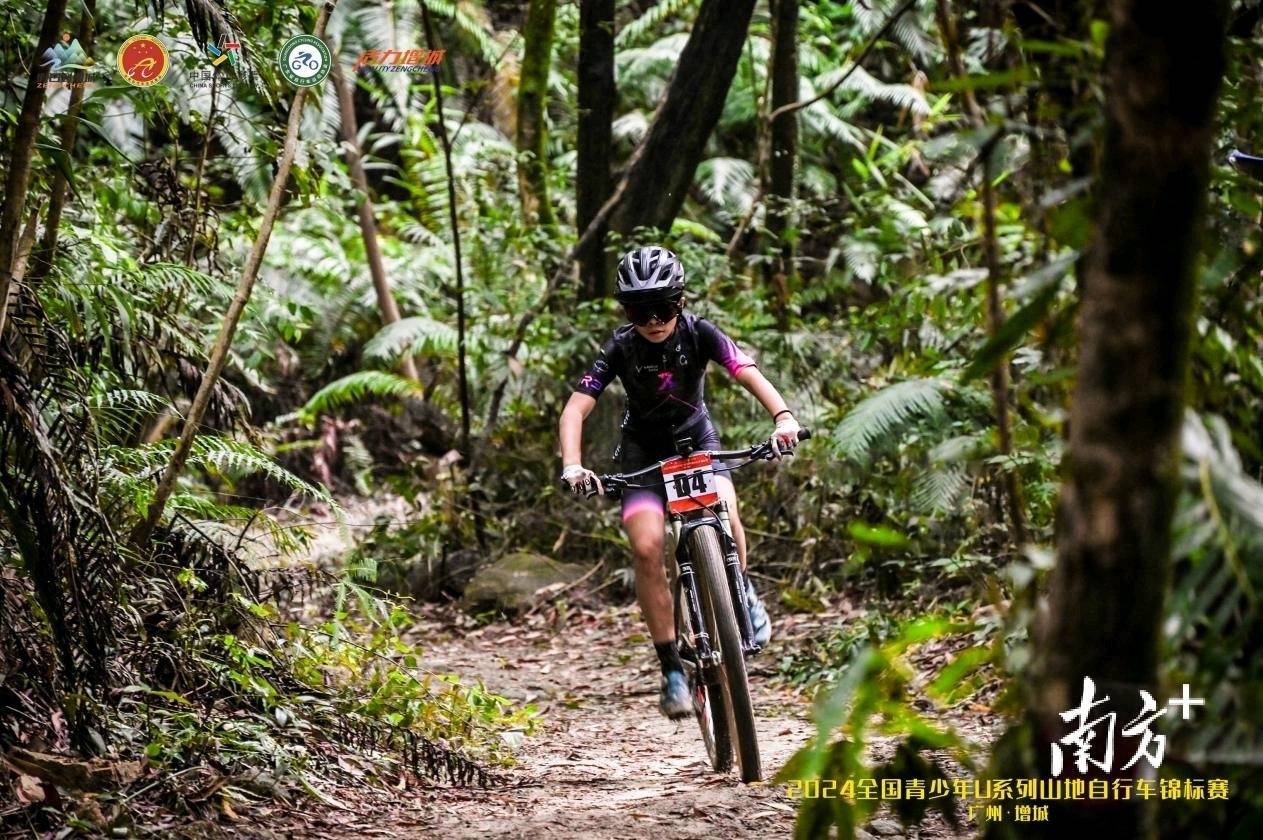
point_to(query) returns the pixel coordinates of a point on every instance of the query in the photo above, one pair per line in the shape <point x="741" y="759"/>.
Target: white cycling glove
<point x="785" y="436"/>
<point x="580" y="479"/>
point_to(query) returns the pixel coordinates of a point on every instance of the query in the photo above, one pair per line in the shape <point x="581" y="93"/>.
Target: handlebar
<point x="615" y="483"/>
<point x="1251" y="165"/>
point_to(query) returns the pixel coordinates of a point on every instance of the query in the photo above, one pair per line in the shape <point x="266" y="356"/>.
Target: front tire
<point x="721" y="624"/>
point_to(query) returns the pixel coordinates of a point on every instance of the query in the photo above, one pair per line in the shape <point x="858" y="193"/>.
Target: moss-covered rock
<point x="513" y="582"/>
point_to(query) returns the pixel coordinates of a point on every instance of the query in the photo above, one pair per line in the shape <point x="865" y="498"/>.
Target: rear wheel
<point x="721" y="624"/>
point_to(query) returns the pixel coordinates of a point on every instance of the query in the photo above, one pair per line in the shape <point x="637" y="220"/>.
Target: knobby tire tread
<point x="708" y="563"/>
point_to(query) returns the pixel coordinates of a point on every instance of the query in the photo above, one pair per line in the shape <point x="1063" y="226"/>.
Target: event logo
<point x="400" y="61"/>
<point x="227" y="52"/>
<point x="1084" y="737"/>
<point x="305" y="60"/>
<point x="143" y="60"/>
<point x="67" y="55"/>
<point x="231" y="53"/>
<point x="61" y="61"/>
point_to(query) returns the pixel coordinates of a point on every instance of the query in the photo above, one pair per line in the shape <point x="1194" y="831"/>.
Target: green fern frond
<point x="655" y="60"/>
<point x="471" y="29"/>
<point x="906" y="219"/>
<point x="236" y="459"/>
<point x="642" y="28"/>
<point x="411" y="336"/>
<point x="939" y="490"/>
<point x="1211" y="450"/>
<point x="909" y="30"/>
<point x="124" y="467"/>
<point x="122" y="399"/>
<point x="357" y="388"/>
<point x="117" y="412"/>
<point x="179" y="278"/>
<point x="960" y="449"/>
<point x="631" y="127"/>
<point x="729" y="183"/>
<point x="859" y="81"/>
<point x="885" y="412"/>
<point x="862" y="257"/>
<point x="225" y="523"/>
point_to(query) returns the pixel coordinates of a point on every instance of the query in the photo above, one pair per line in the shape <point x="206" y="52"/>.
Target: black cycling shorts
<point x="635" y="452"/>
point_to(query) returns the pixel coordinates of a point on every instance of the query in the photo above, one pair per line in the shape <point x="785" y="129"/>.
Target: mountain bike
<point x="712" y="619"/>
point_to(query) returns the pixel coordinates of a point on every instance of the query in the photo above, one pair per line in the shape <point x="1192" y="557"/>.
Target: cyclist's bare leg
<point x="645" y="525"/>
<point x="728" y="493"/>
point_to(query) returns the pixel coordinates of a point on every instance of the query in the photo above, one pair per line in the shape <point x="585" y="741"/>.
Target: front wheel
<point x="721" y="624"/>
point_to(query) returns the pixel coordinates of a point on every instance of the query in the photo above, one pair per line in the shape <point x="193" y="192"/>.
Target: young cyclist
<point x="661" y="358"/>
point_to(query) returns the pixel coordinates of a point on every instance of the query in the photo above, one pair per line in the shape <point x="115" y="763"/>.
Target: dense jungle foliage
<point x="914" y="293"/>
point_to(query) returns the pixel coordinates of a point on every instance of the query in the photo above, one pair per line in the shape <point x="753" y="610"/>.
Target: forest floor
<point x="602" y="762"/>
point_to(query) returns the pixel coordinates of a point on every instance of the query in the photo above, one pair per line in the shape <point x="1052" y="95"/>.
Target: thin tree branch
<point x="47" y="251"/>
<point x="872" y="42"/>
<point x="463" y="377"/>
<point x="991" y="255"/>
<point x="765" y="135"/>
<point x="219" y="353"/>
<point x="201" y="166"/>
<point x="364" y="209"/>
<point x="22" y="155"/>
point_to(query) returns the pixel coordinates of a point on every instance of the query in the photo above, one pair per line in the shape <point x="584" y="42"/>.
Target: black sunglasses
<point x="641" y="314"/>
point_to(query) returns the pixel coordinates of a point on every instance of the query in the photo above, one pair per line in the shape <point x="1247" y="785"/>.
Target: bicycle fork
<point x="707" y="656"/>
<point x="732" y="571"/>
<point x="736" y="581"/>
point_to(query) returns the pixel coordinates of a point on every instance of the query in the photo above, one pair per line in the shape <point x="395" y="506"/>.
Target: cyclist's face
<point x="656" y="331"/>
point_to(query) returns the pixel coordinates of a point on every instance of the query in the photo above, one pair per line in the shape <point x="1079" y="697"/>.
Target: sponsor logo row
<point x="143" y="61"/>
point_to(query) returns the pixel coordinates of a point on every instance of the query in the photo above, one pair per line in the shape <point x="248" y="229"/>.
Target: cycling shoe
<point x="675" y="701"/>
<point x="759" y="621"/>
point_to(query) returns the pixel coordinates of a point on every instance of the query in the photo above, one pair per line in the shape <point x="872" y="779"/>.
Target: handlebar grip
<point x="1251" y="165"/>
<point x="804" y="434"/>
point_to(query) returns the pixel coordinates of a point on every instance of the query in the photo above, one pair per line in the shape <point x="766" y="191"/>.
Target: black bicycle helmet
<point x="649" y="273"/>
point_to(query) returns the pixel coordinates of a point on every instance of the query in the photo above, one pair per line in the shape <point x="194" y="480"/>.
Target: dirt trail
<point x="604" y="763"/>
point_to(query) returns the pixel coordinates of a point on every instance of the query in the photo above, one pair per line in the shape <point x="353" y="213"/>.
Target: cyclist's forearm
<point x="753" y="380"/>
<point x="571" y="427"/>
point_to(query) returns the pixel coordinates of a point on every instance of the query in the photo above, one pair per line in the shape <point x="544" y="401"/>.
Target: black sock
<point x="668" y="656"/>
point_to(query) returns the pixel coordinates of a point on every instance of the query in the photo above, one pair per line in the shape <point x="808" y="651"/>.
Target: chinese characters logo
<point x="400" y="61"/>
<point x="226" y="52"/>
<point x="60" y="61"/>
<point x="1086" y="730"/>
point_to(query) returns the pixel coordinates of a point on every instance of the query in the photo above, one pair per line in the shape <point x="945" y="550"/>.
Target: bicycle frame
<point x="719" y="680"/>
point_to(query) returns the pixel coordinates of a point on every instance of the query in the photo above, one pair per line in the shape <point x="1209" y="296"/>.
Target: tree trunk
<point x="1163" y="70"/>
<point x="219" y="352"/>
<point x="661" y="170"/>
<point x="22" y="153"/>
<point x="598" y="95"/>
<point x="364" y="208"/>
<point x="532" y="136"/>
<point x="42" y="259"/>
<point x="784" y="150"/>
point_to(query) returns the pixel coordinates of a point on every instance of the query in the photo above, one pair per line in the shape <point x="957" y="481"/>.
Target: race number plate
<point x="690" y="482"/>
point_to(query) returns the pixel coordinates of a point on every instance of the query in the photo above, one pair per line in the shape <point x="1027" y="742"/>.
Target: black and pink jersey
<point x="665" y="383"/>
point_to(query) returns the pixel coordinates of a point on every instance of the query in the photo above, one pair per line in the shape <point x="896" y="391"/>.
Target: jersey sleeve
<point x="720" y="348"/>
<point x="601" y="373"/>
